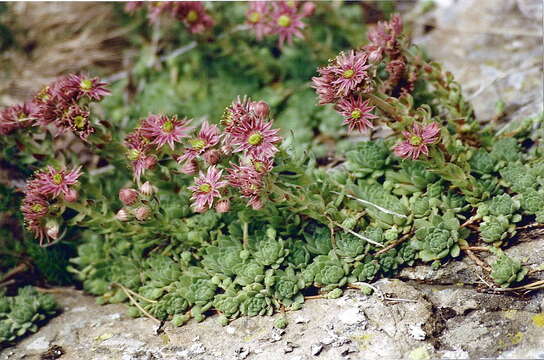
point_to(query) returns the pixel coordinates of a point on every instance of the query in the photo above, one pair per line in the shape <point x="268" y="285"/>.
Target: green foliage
<point x="438" y="237"/>
<point x="368" y="157"/>
<point x="24" y="313"/>
<point x="327" y="272"/>
<point x="496" y="228"/>
<point x="507" y="271"/>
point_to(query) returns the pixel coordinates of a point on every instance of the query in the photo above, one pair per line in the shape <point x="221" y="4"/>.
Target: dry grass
<point x="56" y="38"/>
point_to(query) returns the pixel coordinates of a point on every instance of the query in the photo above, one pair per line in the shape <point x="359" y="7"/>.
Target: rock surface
<point x="494" y="48"/>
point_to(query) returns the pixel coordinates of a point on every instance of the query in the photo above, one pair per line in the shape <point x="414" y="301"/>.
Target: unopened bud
<point x="256" y="204"/>
<point x="142" y="213"/>
<point x="223" y="206"/>
<point x="122" y="215"/>
<point x="375" y="56"/>
<point x="128" y="196"/>
<point x="190" y="167"/>
<point x="52" y="229"/>
<point x="261" y="109"/>
<point x="150" y="162"/>
<point x="71" y="195"/>
<point x="308" y="8"/>
<point x="212" y="157"/>
<point x="147" y="189"/>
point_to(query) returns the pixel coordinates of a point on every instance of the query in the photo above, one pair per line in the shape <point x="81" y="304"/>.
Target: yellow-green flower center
<point x="37" y="208"/>
<point x="197" y="144"/>
<point x="259" y="166"/>
<point x="192" y="16"/>
<point x="133" y="154"/>
<point x="254" y="17"/>
<point x="86" y="84"/>
<point x="205" y="188"/>
<point x="348" y="73"/>
<point x="416" y="140"/>
<point x="255" y="139"/>
<point x="284" y="21"/>
<point x="79" y="122"/>
<point x="356" y="114"/>
<point x="168" y="126"/>
<point x="57" y="178"/>
<point x="227" y="118"/>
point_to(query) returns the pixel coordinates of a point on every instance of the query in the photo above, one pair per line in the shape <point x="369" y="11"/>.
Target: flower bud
<point x="128" y="196"/>
<point x="256" y="204"/>
<point x="147" y="189"/>
<point x="261" y="109"/>
<point x="308" y="8"/>
<point x="150" y="162"/>
<point x="71" y="195"/>
<point x="212" y="157"/>
<point x="222" y="206"/>
<point x="375" y="56"/>
<point x="52" y="229"/>
<point x="142" y="213"/>
<point x="122" y="215"/>
<point x="190" y="167"/>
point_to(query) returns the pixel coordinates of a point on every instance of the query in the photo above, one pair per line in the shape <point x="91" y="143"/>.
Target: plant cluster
<point x="230" y="216"/>
<point x="23" y="313"/>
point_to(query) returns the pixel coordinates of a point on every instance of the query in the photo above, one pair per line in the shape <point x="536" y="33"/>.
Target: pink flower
<point x="384" y="35"/>
<point x="417" y="141"/>
<point x="138" y="149"/>
<point x="207" y="138"/>
<point x="52" y="111"/>
<point x="74" y="87"/>
<point x="249" y="182"/>
<point x="55" y="182"/>
<point x="190" y="167"/>
<point x="35" y="208"/>
<point x="256" y="138"/>
<point x="161" y="130"/>
<point x="346" y="74"/>
<point x="324" y="87"/>
<point x="286" y="22"/>
<point x="206" y="189"/>
<point x="257" y="16"/>
<point x="357" y="113"/>
<point x="17" y="117"/>
<point x="194" y="16"/>
<point x="350" y="72"/>
<point x="76" y="119"/>
<point x="238" y="111"/>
